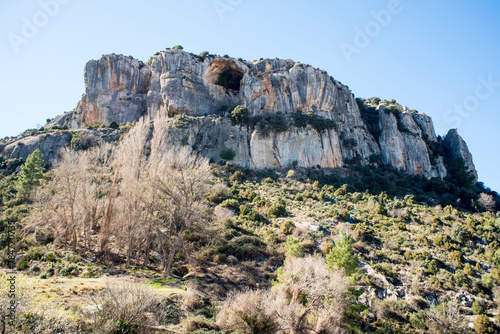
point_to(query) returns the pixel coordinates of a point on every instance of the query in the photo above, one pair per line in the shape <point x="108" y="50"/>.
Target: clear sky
<point x="439" y="57"/>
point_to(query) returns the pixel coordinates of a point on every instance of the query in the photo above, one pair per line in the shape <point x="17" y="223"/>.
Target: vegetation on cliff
<point x="216" y="248"/>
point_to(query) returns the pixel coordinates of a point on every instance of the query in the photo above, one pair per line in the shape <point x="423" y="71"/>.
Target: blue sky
<point x="441" y="58"/>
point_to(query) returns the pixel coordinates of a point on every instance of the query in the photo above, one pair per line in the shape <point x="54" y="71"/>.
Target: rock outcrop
<point x="174" y="82"/>
<point x="403" y="143"/>
<point x="116" y="89"/>
<point x="455" y="147"/>
<point x="50" y="144"/>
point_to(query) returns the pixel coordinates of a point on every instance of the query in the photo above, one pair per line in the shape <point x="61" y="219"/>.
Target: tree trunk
<point x="171" y="254"/>
<point x="129" y="249"/>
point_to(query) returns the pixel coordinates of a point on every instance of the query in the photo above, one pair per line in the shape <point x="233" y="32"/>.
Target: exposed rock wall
<point x="50" y="144"/>
<point x="123" y="89"/>
<point x="115" y="90"/>
<point x="455" y="147"/>
<point x="403" y="146"/>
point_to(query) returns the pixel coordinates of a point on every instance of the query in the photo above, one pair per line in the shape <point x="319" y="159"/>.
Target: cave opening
<point x="225" y="73"/>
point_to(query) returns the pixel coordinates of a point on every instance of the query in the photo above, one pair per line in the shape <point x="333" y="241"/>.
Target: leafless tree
<point x="182" y="182"/>
<point x="135" y="194"/>
<point x="75" y="195"/>
<point x="487" y="202"/>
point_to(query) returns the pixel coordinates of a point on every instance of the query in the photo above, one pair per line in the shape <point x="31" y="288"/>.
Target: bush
<point x="341" y="255"/>
<point x="293" y="247"/>
<point x="276" y="210"/>
<point x="250" y="312"/>
<point x="82" y="141"/>
<point x="483" y="325"/>
<point x="240" y="114"/>
<point x="237" y="176"/>
<point x="460" y="235"/>
<point x="287" y="227"/>
<point x="306" y="295"/>
<point x="230" y="203"/>
<point x="113" y="125"/>
<point x="319" y="123"/>
<point x="274" y="122"/>
<point x="244" y="248"/>
<point x="123" y="308"/>
<point x="178" y="47"/>
<point x="227" y="154"/>
<point x="477" y="308"/>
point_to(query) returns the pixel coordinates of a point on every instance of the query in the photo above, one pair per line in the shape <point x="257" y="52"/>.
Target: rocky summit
<point x="298" y="115"/>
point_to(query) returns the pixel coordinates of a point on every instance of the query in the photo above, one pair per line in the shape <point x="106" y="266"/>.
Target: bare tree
<point x="135" y="195"/>
<point x="487" y="202"/>
<point x="182" y="181"/>
<point x="75" y="194"/>
<point x="65" y="187"/>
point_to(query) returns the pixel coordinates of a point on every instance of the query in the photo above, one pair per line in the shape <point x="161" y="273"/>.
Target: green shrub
<point x="178" y="47"/>
<point x="227" y="154"/>
<point x="82" y="141"/>
<point x="461" y="279"/>
<point x="70" y="270"/>
<point x="477" y="308"/>
<point x="341" y="254"/>
<point x="248" y="213"/>
<point x="460" y="235"/>
<point x="268" y="181"/>
<point x="432" y="267"/>
<point x="23" y="263"/>
<point x="483" y="325"/>
<point x="276" y="210"/>
<point x="237" y="176"/>
<point x="293" y="247"/>
<point x="240" y="114"/>
<point x="319" y="123"/>
<point x="243" y="247"/>
<point x="113" y="125"/>
<point x="230" y="203"/>
<point x="287" y="227"/>
<point x="274" y="122"/>
<point x="298" y="197"/>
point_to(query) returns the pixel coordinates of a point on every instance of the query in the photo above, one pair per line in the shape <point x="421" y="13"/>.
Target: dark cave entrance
<point x="224" y="73"/>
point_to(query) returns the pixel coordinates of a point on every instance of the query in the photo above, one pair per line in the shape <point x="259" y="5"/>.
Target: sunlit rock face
<point x="174" y="82"/>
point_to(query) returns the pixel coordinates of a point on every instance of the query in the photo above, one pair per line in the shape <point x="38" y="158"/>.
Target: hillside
<point x="207" y="194"/>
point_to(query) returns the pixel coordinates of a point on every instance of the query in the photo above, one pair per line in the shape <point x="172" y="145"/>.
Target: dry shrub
<point x="487" y="202"/>
<point x="222" y="214"/>
<point x="445" y="318"/>
<point x="191" y="300"/>
<point x="249" y="312"/>
<point x="307" y="298"/>
<point x="123" y="306"/>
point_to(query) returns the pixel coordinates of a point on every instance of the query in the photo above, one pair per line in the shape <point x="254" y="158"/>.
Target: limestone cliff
<point x="174" y="82"/>
<point x="455" y="147"/>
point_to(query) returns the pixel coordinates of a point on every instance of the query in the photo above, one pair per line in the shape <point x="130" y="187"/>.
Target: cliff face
<point x="455" y="147"/>
<point x="122" y="89"/>
<point x="115" y="90"/>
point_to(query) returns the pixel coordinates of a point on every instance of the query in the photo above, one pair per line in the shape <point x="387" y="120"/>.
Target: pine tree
<point x="31" y="173"/>
<point x="459" y="174"/>
<point x="341" y="255"/>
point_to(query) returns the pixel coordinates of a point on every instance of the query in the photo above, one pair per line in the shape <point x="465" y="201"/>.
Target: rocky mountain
<point x="299" y="115"/>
